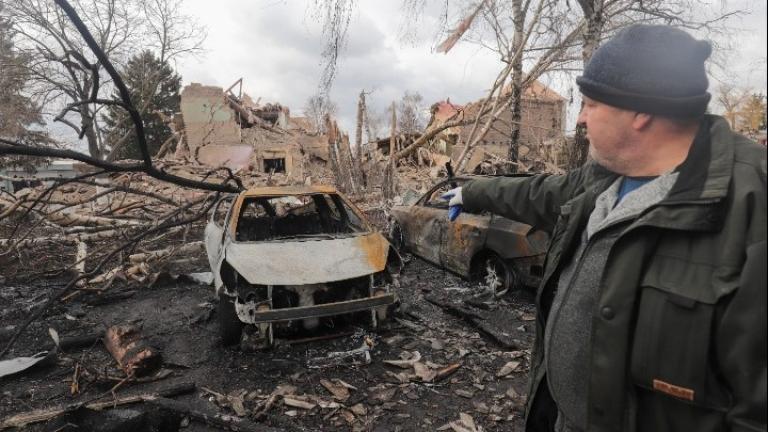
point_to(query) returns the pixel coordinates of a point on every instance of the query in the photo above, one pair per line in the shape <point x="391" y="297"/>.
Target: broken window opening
<point x="291" y="217"/>
<point x="25" y="183"/>
<point x="274" y="165"/>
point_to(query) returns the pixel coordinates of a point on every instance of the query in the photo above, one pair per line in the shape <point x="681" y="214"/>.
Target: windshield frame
<point x="362" y="227"/>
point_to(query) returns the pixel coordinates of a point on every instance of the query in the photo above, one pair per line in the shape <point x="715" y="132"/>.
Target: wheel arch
<point x="477" y="260"/>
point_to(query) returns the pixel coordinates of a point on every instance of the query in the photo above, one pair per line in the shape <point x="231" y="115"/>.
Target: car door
<point x="215" y="233"/>
<point x="427" y="224"/>
<point x="426" y="232"/>
<point x="463" y="238"/>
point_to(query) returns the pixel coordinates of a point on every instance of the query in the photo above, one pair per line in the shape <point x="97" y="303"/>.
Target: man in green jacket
<point x="652" y="308"/>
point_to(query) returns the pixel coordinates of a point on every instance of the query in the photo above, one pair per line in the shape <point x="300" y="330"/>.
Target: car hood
<point x="308" y="261"/>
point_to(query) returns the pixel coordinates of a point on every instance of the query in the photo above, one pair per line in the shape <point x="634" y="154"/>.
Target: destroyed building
<point x="227" y="129"/>
<point x="541" y="131"/>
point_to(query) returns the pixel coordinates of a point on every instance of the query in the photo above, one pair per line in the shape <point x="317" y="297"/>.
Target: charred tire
<point x="397" y="237"/>
<point x="230" y="326"/>
<point x="494" y="273"/>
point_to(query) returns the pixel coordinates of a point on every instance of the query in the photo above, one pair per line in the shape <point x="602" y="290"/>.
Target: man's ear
<point x="642" y="121"/>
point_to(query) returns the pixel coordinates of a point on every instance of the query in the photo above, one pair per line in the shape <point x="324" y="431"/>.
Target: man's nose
<point x="582" y="119"/>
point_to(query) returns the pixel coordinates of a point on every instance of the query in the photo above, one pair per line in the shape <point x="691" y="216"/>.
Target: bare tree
<point x="124" y="233"/>
<point x="316" y="110"/>
<point x="546" y="36"/>
<point x="61" y="69"/>
<point x="335" y="16"/>
<point x="359" y="138"/>
<point x="172" y="34"/>
<point x="753" y="113"/>
<point x="19" y="115"/>
<point x="410" y="112"/>
<point x="542" y="35"/>
<point x="731" y="98"/>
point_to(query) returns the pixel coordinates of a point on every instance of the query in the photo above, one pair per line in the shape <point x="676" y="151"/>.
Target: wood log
<point x="80" y="256"/>
<point x="109" y="298"/>
<point x="41" y="415"/>
<point x="132" y="353"/>
<point x="187" y="248"/>
<point x="75" y="342"/>
<point x="478" y="320"/>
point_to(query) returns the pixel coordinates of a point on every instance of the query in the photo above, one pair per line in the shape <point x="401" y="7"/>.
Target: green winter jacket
<point x="679" y="329"/>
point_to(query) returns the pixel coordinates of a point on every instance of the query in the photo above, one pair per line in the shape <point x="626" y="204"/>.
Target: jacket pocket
<point x="673" y="342"/>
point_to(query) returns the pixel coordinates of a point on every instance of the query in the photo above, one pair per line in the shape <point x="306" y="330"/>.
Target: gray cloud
<point x="276" y="46"/>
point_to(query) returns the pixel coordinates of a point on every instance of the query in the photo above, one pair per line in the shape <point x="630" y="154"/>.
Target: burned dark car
<point x="295" y="256"/>
<point x="500" y="253"/>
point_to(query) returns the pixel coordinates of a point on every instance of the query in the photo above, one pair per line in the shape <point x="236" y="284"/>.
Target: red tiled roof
<point x="446" y="109"/>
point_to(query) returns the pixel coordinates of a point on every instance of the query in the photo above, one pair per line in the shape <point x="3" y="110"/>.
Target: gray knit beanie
<point x="654" y="69"/>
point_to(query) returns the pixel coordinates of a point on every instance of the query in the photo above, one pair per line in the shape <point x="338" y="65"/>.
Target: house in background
<point x="16" y="178"/>
<point x="541" y="132"/>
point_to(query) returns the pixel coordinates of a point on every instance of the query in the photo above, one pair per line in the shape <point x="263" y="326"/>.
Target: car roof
<point x="268" y="191"/>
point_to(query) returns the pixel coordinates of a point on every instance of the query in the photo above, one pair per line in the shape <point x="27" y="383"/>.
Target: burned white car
<point x="297" y="257"/>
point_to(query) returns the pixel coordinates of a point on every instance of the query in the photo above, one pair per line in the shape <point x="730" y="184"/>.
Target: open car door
<point x="215" y="232"/>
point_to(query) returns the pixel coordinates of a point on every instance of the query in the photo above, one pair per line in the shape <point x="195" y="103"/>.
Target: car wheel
<point x="397" y="236"/>
<point x="230" y="326"/>
<point x="496" y="276"/>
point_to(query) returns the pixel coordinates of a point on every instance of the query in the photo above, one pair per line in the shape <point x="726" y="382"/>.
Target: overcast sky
<point x="275" y="47"/>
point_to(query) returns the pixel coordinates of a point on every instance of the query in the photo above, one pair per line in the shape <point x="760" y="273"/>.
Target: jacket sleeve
<point x="533" y="200"/>
<point x="742" y="345"/>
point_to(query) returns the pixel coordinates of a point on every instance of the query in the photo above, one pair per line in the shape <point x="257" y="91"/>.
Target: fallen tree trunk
<point x="37" y="416"/>
<point x="478" y="320"/>
<point x="162" y="253"/>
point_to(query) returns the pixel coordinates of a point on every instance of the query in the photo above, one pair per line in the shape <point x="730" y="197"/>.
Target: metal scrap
<point x="357" y="356"/>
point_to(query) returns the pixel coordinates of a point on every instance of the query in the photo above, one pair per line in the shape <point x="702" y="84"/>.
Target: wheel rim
<point x="495" y="277"/>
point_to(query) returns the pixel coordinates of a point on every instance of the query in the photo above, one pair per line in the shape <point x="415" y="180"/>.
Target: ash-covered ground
<point x="442" y="325"/>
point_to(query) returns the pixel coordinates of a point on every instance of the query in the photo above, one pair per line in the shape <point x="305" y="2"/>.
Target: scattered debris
<point x="357" y="356"/>
<point x="407" y="360"/>
<point x="483" y="320"/>
<point x="338" y="388"/>
<point x="210" y="417"/>
<point x="20" y="364"/>
<point x="465" y="423"/>
<point x="508" y="368"/>
<point x="293" y="401"/>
